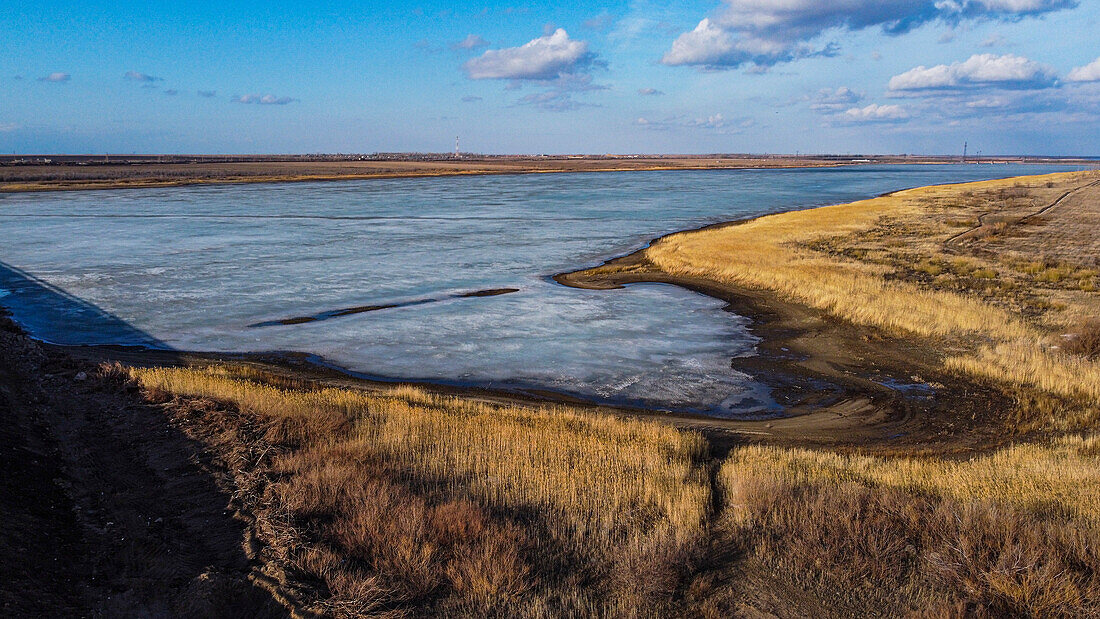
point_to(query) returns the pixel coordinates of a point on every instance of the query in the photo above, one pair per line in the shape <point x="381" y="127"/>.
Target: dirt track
<point x="108" y="508"/>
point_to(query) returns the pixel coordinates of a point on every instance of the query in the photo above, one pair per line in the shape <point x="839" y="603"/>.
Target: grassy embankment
<point x="411" y="502"/>
<point x="999" y="312"/>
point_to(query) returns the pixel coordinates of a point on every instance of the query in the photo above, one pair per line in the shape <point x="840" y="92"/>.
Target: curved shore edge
<point x="813" y="346"/>
<point x="839" y="384"/>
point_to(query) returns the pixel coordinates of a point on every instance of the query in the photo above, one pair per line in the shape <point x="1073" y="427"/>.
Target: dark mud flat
<point x="839" y="384"/>
<point x="109" y="509"/>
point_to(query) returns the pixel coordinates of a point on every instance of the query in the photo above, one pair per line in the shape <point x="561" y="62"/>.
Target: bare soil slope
<point x="108" y="509"/>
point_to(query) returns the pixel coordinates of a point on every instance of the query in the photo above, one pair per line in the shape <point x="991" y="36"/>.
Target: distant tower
<point x="965" y="144"/>
<point x="456" y="147"/>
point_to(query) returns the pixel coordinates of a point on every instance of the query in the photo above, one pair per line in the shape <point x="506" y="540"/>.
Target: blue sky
<point x="846" y="76"/>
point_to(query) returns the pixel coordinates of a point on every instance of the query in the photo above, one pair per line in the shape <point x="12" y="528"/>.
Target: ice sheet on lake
<point x="193" y="267"/>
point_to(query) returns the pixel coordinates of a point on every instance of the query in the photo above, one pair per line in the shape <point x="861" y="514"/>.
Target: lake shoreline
<point x="839" y="384"/>
<point x="836" y="385"/>
<point x="84" y="176"/>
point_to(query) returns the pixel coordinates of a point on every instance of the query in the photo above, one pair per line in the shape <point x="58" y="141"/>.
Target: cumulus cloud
<point x="714" y="121"/>
<point x="135" y="76"/>
<point x="263" y="99"/>
<point x="767" y="32"/>
<point x="7" y="127"/>
<point x="1087" y="73"/>
<point x="649" y="92"/>
<point x="472" y="41"/>
<point x="207" y="93"/>
<point x="829" y="100"/>
<point x="57" y="78"/>
<point x="875" y="113"/>
<point x="544" y="58"/>
<point x="553" y="61"/>
<point x="978" y="71"/>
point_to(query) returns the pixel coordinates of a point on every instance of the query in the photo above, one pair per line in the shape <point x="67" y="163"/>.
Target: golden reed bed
<point x="782" y="253"/>
<point x="403" y="501"/>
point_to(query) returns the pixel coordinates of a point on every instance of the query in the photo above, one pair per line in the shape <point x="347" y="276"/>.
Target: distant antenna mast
<point x="965" y="144"/>
<point x="456" y="147"/>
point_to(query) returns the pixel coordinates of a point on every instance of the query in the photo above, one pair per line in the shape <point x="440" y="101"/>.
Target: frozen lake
<point x="211" y="267"/>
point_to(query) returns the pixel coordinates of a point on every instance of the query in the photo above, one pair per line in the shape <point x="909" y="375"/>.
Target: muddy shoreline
<point x="839" y="385"/>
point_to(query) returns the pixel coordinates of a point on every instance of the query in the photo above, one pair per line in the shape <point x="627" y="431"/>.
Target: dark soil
<point x="108" y="508"/>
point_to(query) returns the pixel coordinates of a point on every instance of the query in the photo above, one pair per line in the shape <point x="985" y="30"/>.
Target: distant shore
<point x="67" y="172"/>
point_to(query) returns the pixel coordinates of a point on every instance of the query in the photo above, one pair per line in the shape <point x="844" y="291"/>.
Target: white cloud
<point x="135" y="76"/>
<point x="1087" y="73"/>
<point x="876" y="113"/>
<point x="472" y="41"/>
<point x="649" y="92"/>
<point x="544" y="58"/>
<point x="834" y="99"/>
<point x="7" y="127"/>
<point x="766" y="32"/>
<point x="207" y="93"/>
<point x="264" y="99"/>
<point x="56" y="77"/>
<point x="716" y="123"/>
<point x="988" y="103"/>
<point x="978" y="71"/>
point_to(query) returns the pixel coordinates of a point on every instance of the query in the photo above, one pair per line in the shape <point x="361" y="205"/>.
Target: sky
<point x="635" y="76"/>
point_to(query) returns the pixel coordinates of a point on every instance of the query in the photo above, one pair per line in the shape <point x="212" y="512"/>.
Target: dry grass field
<point x="964" y="266"/>
<point x="407" y="502"/>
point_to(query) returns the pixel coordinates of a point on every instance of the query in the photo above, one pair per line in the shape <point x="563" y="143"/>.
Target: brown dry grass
<point x="1085" y="341"/>
<point x="405" y="502"/>
<point x="1013" y="533"/>
<point x="408" y="500"/>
